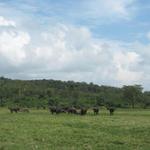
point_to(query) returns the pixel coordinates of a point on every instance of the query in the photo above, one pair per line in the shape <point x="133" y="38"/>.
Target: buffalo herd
<point x="79" y="111"/>
<point x="70" y="110"/>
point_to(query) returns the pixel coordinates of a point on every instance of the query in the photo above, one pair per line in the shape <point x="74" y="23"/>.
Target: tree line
<point x="44" y="93"/>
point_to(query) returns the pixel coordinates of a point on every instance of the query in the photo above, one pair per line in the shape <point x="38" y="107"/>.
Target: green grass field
<point x="126" y="130"/>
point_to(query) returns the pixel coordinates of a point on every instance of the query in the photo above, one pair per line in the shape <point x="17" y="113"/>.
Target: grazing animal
<point x="96" y="110"/>
<point x="14" y="109"/>
<point x="53" y="110"/>
<point x="83" y="111"/>
<point x="72" y="110"/>
<point x="111" y="110"/>
<point x="56" y="110"/>
<point x="65" y="109"/>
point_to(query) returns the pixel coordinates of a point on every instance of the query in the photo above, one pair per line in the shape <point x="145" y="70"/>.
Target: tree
<point x="132" y="94"/>
<point x="146" y="99"/>
<point x="100" y="100"/>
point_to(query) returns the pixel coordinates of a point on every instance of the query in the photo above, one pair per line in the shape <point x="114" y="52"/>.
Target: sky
<point x="106" y="42"/>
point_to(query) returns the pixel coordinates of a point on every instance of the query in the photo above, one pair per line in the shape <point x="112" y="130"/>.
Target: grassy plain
<point x="39" y="130"/>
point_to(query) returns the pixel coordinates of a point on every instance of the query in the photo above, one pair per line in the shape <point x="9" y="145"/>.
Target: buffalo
<point x="56" y="110"/>
<point x="96" y="110"/>
<point x="111" y="110"/>
<point x="83" y="111"/>
<point x="72" y="110"/>
<point x="14" y="109"/>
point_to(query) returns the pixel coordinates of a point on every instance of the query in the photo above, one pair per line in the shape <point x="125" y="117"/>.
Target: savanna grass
<point x="39" y="130"/>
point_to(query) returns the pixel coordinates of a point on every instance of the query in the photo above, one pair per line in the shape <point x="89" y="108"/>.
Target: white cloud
<point x="12" y="46"/>
<point x="6" y="22"/>
<point x="71" y="53"/>
<point x="124" y="63"/>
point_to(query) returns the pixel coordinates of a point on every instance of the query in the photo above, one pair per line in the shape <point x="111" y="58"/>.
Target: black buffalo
<point x="96" y="110"/>
<point x="83" y="111"/>
<point x="14" y="109"/>
<point x="72" y="110"/>
<point x="111" y="110"/>
<point x="56" y="110"/>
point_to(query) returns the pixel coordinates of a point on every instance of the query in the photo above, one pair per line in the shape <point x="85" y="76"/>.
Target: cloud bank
<point x="68" y="52"/>
<point x="93" y="41"/>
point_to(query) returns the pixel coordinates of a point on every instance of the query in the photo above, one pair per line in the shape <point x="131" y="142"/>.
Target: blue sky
<point x="100" y="41"/>
<point x="76" y="13"/>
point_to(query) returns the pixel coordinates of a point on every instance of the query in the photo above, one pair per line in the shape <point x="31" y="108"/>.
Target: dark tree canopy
<point x="42" y="93"/>
<point x="133" y="94"/>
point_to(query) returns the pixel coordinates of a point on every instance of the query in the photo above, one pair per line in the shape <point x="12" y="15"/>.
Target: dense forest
<point x="44" y="93"/>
